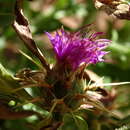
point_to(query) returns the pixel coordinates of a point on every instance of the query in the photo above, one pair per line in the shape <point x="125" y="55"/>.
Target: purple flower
<point x="73" y="49"/>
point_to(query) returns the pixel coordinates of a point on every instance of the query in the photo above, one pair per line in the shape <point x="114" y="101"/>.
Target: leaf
<point x="120" y="9"/>
<point x="73" y="122"/>
<point x="93" y="76"/>
<point x="21" y="26"/>
<point x="30" y="58"/>
<point x="8" y="83"/>
<point x="112" y="84"/>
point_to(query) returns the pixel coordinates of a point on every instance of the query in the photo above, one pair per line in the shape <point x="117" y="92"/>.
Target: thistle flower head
<point x="73" y="49"/>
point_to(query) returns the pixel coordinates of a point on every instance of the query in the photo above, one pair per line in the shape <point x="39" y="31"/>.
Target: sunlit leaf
<point x="8" y="83"/>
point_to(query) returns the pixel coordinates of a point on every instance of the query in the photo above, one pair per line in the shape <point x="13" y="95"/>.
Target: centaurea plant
<point x="64" y="92"/>
<point x="73" y="49"/>
<point x="64" y="86"/>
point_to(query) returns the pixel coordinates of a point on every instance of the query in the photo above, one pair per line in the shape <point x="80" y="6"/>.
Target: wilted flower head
<point x="73" y="49"/>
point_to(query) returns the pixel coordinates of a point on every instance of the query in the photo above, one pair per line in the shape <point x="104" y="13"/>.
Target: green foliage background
<point x="49" y="15"/>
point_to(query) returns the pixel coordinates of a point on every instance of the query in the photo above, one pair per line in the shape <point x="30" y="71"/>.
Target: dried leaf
<point x="93" y="76"/>
<point x="118" y="8"/>
<point x="21" y="27"/>
<point x="99" y="105"/>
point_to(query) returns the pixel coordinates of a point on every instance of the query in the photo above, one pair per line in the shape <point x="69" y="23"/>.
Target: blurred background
<point x="50" y="15"/>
